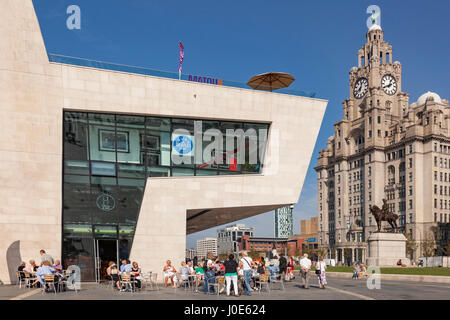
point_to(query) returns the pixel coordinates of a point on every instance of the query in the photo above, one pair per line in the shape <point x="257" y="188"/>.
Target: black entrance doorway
<point x="106" y="251"/>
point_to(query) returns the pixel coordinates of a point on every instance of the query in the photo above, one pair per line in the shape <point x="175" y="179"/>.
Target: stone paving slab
<point x="338" y="289"/>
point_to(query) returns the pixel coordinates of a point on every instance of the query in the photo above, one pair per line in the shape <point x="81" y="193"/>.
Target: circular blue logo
<point x="183" y="145"/>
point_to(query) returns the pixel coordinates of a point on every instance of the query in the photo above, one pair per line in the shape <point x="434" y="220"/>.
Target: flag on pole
<point x="181" y="60"/>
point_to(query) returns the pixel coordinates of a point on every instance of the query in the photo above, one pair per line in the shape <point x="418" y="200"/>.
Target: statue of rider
<point x="385" y="209"/>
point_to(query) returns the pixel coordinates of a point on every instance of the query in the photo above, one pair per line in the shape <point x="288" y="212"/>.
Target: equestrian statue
<point x="384" y="214"/>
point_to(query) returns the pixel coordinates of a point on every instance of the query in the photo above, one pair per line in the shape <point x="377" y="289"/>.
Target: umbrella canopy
<point x="271" y="81"/>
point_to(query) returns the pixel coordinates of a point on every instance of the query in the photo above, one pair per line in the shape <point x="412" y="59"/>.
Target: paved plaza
<point x="338" y="289"/>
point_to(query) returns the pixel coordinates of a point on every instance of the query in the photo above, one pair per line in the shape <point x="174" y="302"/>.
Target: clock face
<point x="389" y="84"/>
<point x="360" y="88"/>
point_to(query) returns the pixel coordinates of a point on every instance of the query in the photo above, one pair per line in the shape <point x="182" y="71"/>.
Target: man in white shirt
<point x="46" y="257"/>
<point x="246" y="265"/>
<point x="305" y="266"/>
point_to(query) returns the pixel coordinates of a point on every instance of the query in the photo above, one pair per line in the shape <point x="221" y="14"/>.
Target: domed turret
<point x="375" y="27"/>
<point x="429" y="96"/>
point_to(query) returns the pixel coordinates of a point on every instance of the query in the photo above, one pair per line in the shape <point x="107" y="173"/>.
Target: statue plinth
<point x="385" y="249"/>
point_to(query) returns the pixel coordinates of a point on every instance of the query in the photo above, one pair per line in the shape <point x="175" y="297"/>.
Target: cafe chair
<point x="263" y="281"/>
<point x="49" y="281"/>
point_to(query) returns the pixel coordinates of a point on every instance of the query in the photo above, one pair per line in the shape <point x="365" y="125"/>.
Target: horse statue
<point x="384" y="215"/>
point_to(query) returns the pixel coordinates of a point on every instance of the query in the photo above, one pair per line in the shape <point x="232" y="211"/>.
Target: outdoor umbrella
<point x="270" y="81"/>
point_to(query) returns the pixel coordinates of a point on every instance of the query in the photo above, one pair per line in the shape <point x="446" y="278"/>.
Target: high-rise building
<point x="384" y="148"/>
<point x="283" y="222"/>
<point x="190" y="253"/>
<point x="206" y="245"/>
<point x="228" y="238"/>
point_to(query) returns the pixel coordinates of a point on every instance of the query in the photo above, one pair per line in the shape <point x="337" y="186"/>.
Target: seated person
<point x="42" y="271"/>
<point x="261" y="269"/>
<point x="57" y="266"/>
<point x="362" y="271"/>
<point x="21" y="269"/>
<point x="190" y="267"/>
<point x="399" y="262"/>
<point x="32" y="268"/>
<point x="356" y="271"/>
<point x="184" y="271"/>
<point x="136" y="272"/>
<point x="126" y="266"/>
<point x="169" y="273"/>
<point x="200" y="272"/>
<point x="274" y="271"/>
<point x="112" y="274"/>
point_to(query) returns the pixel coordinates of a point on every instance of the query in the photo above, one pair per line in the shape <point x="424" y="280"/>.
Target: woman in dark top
<point x="231" y="270"/>
<point x="261" y="269"/>
<point x="136" y="272"/>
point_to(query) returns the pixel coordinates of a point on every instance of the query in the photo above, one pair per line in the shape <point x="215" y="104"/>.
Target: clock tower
<point x="383" y="149"/>
<point x="376" y="89"/>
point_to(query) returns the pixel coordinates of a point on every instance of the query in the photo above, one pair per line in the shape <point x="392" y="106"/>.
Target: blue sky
<point x="315" y="41"/>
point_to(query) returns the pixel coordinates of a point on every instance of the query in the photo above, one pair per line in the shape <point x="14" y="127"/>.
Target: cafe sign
<point x="205" y="80"/>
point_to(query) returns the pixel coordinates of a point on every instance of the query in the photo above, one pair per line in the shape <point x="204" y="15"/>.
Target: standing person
<point x="246" y="265"/>
<point x="195" y="261"/>
<point x="320" y="271"/>
<point x="290" y="268"/>
<point x="231" y="270"/>
<point x="282" y="264"/>
<point x="305" y="266"/>
<point x="46" y="257"/>
<point x="112" y="274"/>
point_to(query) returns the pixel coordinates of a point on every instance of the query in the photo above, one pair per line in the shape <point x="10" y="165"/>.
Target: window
<point x="370" y="133"/>
<point x="410" y="160"/>
<point x="410" y="204"/>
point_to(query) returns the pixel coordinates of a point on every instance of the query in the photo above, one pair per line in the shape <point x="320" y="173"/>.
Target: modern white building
<point x="205" y="246"/>
<point x="283" y="222"/>
<point x="228" y="238"/>
<point x="90" y="155"/>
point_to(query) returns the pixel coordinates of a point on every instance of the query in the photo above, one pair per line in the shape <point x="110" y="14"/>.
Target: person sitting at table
<point x="184" y="271"/>
<point x="42" y="271"/>
<point x="112" y="274"/>
<point x="362" y="271"/>
<point x="261" y="269"/>
<point x="274" y="271"/>
<point x="190" y="267"/>
<point x="126" y="266"/>
<point x="136" y="272"/>
<point x="255" y="275"/>
<point x="57" y="266"/>
<point x="32" y="268"/>
<point x="200" y="272"/>
<point x="20" y="269"/>
<point x="169" y="273"/>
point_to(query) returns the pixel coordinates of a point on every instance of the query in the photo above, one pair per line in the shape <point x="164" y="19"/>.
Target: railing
<point x="57" y="58"/>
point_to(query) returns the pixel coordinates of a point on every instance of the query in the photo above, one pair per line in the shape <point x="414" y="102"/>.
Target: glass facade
<point x="107" y="158"/>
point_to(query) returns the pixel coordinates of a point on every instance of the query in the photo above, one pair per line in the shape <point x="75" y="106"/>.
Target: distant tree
<point x="428" y="245"/>
<point x="253" y="254"/>
<point x="322" y="252"/>
<point x="411" y="245"/>
<point x="446" y="249"/>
